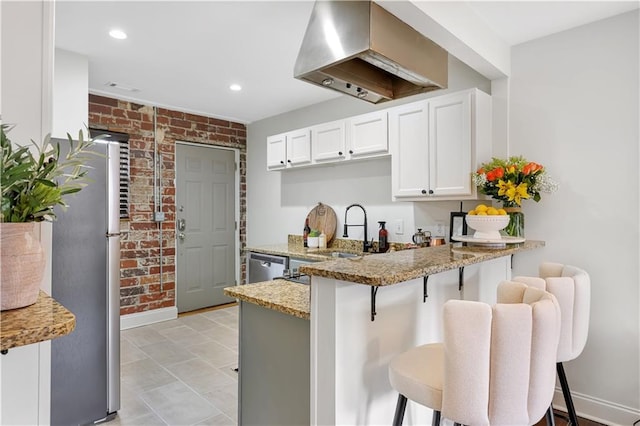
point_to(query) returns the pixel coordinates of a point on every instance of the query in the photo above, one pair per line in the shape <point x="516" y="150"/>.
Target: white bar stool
<point x="495" y="365"/>
<point x="572" y="288"/>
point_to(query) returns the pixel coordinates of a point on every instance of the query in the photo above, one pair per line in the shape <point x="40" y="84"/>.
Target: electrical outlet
<point x="398" y="227"/>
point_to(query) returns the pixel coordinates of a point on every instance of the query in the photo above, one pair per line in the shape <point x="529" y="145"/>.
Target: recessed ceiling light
<point x="118" y="34"/>
<point x="235" y="87"/>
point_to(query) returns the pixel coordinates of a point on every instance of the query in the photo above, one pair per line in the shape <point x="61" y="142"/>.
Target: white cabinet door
<point x="367" y="135"/>
<point x="299" y="147"/>
<point x="408" y="139"/>
<point x="277" y="152"/>
<point x="450" y="145"/>
<point x="436" y="145"/>
<point x="22" y="391"/>
<point x="328" y="141"/>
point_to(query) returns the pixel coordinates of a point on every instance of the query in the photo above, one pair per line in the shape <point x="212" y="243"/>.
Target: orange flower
<point x="531" y="168"/>
<point x="494" y="174"/>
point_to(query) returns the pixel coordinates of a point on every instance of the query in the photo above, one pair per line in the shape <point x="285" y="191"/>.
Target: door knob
<point x="181" y="236"/>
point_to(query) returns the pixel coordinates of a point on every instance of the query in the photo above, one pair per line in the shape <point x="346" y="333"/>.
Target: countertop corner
<point x="279" y="295"/>
<point x="45" y="320"/>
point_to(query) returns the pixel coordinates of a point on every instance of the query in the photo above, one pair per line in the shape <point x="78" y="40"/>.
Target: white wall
<point x="279" y="201"/>
<point x="27" y="69"/>
<point x="25" y="100"/>
<point x="70" y="94"/>
<point x="574" y="108"/>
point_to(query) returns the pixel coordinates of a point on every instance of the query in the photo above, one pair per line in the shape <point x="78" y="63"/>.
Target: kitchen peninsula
<point x="362" y="311"/>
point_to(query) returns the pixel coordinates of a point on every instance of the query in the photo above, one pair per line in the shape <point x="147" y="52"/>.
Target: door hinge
<point x="236" y="225"/>
<point x="235" y="166"/>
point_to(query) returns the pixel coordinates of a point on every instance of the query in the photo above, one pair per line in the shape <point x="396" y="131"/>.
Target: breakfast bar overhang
<point x="350" y="353"/>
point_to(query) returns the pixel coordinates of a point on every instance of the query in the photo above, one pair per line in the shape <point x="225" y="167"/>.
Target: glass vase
<point x="515" y="228"/>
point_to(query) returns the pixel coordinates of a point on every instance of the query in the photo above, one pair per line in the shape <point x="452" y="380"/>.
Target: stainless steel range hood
<point x="360" y="49"/>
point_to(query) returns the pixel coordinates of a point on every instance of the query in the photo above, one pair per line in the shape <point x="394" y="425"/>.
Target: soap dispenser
<point x="383" y="243"/>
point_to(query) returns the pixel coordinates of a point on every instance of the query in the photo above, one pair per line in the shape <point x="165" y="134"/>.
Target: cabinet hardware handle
<point x="431" y="192"/>
<point x="350" y="151"/>
<point x="340" y="153"/>
<point x="281" y="162"/>
<point x="288" y="161"/>
<point x="424" y="191"/>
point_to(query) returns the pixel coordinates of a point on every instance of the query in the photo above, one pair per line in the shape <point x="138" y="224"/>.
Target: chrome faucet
<point x="365" y="244"/>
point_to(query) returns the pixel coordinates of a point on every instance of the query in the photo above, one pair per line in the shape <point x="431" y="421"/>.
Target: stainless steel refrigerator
<point x="85" y="365"/>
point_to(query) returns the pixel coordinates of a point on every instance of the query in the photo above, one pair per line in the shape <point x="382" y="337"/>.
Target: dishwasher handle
<point x="267" y="260"/>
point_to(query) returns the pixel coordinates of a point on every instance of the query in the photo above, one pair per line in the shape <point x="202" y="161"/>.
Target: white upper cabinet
<point x="367" y="135"/>
<point x="299" y="147"/>
<point x="450" y="138"/>
<point x="329" y="142"/>
<point x="363" y="136"/>
<point x="437" y="144"/>
<point x="289" y="149"/>
<point x="277" y="152"/>
<point x="408" y="125"/>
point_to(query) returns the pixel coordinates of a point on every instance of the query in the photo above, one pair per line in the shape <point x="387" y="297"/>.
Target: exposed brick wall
<point x="140" y="288"/>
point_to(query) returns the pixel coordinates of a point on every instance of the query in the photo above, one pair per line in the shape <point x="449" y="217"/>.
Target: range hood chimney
<point x="360" y="49"/>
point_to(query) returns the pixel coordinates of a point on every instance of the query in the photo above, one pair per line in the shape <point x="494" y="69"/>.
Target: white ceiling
<point x="184" y="55"/>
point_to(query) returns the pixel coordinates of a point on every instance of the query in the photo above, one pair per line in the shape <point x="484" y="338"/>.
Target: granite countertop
<point x="374" y="269"/>
<point x="280" y="295"/>
<point x="44" y="320"/>
<point x="294" y="248"/>
<point x="296" y="251"/>
<point x="399" y="266"/>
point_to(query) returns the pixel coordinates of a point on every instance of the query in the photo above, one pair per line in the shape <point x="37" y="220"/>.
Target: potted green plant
<point x="33" y="182"/>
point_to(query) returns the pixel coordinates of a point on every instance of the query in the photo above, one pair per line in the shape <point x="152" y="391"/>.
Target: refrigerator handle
<point x="113" y="188"/>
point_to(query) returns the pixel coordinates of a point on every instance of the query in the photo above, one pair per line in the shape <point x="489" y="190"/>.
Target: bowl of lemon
<point x="487" y="221"/>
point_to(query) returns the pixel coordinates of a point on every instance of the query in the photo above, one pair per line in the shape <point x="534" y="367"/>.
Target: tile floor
<point x="180" y="372"/>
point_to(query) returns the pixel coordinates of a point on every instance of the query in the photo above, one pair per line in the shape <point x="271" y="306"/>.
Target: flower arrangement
<point x="513" y="180"/>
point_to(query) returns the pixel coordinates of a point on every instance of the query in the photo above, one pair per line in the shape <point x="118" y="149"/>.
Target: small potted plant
<point x="33" y="181"/>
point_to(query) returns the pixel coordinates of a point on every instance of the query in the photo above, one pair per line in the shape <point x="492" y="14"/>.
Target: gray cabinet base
<point x="274" y="370"/>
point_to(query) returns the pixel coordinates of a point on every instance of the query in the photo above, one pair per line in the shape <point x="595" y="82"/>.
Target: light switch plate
<point x="398" y="227"/>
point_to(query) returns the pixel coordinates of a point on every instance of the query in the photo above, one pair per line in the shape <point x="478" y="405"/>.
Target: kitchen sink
<point x="339" y="254"/>
<point x="343" y="254"/>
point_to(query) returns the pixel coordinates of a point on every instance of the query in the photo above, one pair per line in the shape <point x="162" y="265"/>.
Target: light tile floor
<point x="180" y="372"/>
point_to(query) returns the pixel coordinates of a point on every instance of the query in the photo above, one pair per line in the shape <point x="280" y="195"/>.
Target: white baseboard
<point x="148" y="317"/>
<point x="598" y="410"/>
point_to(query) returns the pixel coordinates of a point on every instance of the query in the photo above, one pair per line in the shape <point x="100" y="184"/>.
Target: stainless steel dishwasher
<point x="265" y="267"/>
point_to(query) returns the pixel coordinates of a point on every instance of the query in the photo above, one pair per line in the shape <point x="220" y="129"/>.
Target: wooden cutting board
<point x="323" y="218"/>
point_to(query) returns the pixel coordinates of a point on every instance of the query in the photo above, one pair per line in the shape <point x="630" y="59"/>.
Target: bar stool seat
<point x="419" y="372"/>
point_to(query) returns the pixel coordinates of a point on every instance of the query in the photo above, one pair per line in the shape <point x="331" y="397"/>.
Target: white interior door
<point x="205" y="228"/>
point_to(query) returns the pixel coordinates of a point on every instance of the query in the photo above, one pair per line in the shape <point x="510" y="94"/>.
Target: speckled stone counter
<point x="299" y="252"/>
<point x="280" y="295"/>
<point x="44" y="320"/>
<point x="396" y="267"/>
<point x="294" y="248"/>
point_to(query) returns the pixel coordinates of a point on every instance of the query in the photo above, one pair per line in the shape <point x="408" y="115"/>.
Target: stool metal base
<point x="566" y="392"/>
